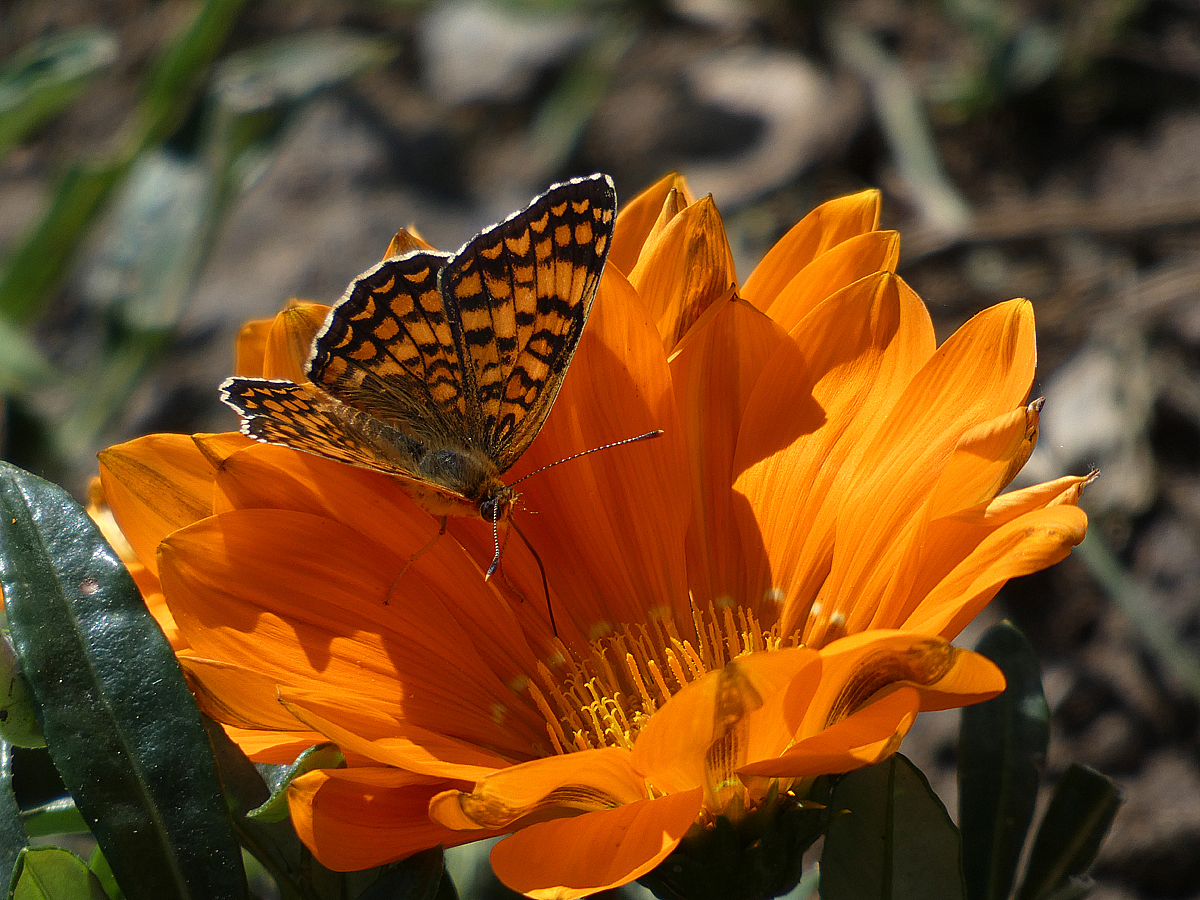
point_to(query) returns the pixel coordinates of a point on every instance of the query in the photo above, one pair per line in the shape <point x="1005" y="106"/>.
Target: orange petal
<point x="238" y="695"/>
<point x="307" y="608"/>
<point x="610" y="527"/>
<point x="986" y="459"/>
<point x="586" y="780"/>
<point x="251" y="347"/>
<point x="684" y="269"/>
<point x="857" y="668"/>
<point x="289" y="343"/>
<point x="638" y="217"/>
<point x="685" y="743"/>
<point x="1028" y="544"/>
<point x="825" y="227"/>
<point x="218" y="447"/>
<point x="277" y="748"/>
<point x="406" y="240"/>
<point x="804" y="430"/>
<point x="951" y="539"/>
<point x="368" y="730"/>
<point x="155" y="485"/>
<point x="359" y="818"/>
<point x="568" y="858"/>
<point x="861" y="739"/>
<point x="713" y="371"/>
<point x="841" y="265"/>
<point x="983" y="370"/>
<point x="266" y="476"/>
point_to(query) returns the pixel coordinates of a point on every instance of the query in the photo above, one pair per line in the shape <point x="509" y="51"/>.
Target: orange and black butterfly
<point x="440" y="369"/>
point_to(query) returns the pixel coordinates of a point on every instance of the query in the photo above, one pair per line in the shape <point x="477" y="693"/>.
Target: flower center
<point x="602" y="697"/>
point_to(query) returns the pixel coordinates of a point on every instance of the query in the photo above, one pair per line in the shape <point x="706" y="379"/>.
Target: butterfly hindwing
<point x="388" y="349"/>
<point x="521" y="292"/>
<point x="302" y="417"/>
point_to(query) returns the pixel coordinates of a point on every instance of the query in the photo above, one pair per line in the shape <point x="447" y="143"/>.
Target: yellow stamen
<point x="603" y="697"/>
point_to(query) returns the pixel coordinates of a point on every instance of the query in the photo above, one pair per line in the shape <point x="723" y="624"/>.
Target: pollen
<point x="604" y="697"/>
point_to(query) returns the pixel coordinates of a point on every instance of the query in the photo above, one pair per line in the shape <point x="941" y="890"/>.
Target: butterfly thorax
<point x="474" y="475"/>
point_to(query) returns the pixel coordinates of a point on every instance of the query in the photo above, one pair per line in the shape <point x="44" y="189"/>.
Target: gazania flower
<point x="764" y="594"/>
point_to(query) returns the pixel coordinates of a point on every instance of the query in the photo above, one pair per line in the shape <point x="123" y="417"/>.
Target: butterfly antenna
<point x="658" y="432"/>
<point x="495" y="541"/>
<point x="542" y="570"/>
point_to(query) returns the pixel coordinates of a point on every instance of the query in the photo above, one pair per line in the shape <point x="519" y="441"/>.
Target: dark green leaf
<point x="417" y="878"/>
<point x="120" y="724"/>
<point x="1002" y="748"/>
<point x="1075" y="824"/>
<point x="12" y="833"/>
<point x="43" y="77"/>
<point x="319" y="756"/>
<point x="757" y="855"/>
<point x="890" y="837"/>
<point x="51" y="873"/>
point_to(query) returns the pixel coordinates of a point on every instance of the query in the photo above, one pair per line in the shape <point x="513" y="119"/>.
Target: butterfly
<point x="440" y="369"/>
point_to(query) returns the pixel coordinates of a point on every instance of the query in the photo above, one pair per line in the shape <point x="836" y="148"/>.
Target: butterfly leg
<point x="541" y="569"/>
<point x="412" y="559"/>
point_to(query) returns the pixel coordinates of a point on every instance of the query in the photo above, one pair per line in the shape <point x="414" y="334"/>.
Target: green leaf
<point x="177" y="73"/>
<point x="120" y="724"/>
<point x="58" y="817"/>
<point x="318" y="756"/>
<point x="45" y="76"/>
<point x="18" y="718"/>
<point x="38" y="262"/>
<point x="1002" y="748"/>
<point x="51" y="873"/>
<point x="104" y="874"/>
<point x="290" y="69"/>
<point x="12" y="833"/>
<point x="890" y="838"/>
<point x="1071" y="832"/>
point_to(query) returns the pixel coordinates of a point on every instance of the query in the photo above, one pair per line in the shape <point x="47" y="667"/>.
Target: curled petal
<point x="587" y="780"/>
<point x="683" y="270"/>
<point x="251" y="347"/>
<point x="1030" y="543"/>
<point x="861" y="739"/>
<point x="712" y="727"/>
<point x="639" y="216"/>
<point x="359" y="818"/>
<point x="574" y="857"/>
<point x="986" y="459"/>
<point x="857" y="668"/>
<point x="289" y="343"/>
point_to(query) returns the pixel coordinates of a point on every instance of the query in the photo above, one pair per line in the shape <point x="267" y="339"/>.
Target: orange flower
<point x="764" y="594"/>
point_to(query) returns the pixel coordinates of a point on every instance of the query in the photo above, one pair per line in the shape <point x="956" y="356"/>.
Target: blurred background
<point x="169" y="169"/>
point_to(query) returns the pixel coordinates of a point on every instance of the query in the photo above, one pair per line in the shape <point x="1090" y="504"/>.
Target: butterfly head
<point x="497" y="503"/>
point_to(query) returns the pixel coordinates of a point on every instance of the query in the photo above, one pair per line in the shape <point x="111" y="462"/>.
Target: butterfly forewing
<point x="441" y="369"/>
<point x="522" y="291"/>
<point x="388" y="349"/>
